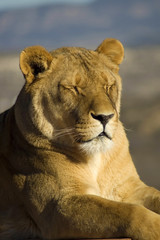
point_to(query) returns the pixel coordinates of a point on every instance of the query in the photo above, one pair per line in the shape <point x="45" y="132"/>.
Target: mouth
<point x="102" y="134"/>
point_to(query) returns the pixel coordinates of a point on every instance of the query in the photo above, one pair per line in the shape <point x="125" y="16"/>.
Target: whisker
<point x="63" y="129"/>
<point x="128" y="129"/>
<point x="77" y="138"/>
<point x="63" y="132"/>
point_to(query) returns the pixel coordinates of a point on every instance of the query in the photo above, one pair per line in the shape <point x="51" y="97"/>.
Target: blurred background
<point x="85" y="23"/>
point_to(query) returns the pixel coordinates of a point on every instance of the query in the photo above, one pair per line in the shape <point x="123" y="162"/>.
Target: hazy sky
<point x="4" y="4"/>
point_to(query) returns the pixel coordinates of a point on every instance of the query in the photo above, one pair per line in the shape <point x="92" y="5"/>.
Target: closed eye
<point x="76" y="89"/>
<point x="112" y="93"/>
<point x="107" y="88"/>
<point x="71" y="88"/>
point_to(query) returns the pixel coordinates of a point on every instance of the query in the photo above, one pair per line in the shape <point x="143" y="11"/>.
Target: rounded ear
<point x="113" y="48"/>
<point x="34" y="60"/>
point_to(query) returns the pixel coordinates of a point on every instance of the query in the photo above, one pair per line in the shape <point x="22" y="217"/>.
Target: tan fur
<point x="60" y="177"/>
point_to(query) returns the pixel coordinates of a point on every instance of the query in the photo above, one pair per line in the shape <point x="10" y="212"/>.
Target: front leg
<point x="152" y="199"/>
<point x="89" y="216"/>
<point x="149" y="197"/>
<point x="139" y="193"/>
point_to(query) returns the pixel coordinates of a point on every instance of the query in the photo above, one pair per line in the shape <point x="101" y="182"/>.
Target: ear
<point x="34" y="60"/>
<point x="113" y="49"/>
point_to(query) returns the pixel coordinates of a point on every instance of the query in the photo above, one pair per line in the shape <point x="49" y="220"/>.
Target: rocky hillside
<point x="133" y="22"/>
<point x="141" y="109"/>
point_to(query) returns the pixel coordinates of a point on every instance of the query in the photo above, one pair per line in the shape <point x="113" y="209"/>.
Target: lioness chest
<point x="101" y="179"/>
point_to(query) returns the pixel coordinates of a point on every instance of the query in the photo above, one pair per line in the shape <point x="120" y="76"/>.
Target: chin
<point x="98" y="145"/>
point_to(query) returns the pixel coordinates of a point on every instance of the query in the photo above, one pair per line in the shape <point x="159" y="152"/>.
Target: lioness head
<point x="72" y="95"/>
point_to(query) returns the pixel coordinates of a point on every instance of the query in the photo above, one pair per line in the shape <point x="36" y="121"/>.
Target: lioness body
<point x="65" y="166"/>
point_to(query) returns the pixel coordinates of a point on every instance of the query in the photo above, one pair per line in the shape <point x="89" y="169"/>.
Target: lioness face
<point x="75" y="102"/>
<point x="88" y="94"/>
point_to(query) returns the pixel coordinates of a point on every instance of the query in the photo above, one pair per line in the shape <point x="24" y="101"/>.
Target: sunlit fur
<point x="64" y="172"/>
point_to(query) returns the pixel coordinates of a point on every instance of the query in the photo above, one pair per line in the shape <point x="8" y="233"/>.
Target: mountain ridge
<point x="53" y="25"/>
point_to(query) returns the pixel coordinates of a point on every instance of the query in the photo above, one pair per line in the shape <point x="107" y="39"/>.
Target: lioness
<point x="65" y="166"/>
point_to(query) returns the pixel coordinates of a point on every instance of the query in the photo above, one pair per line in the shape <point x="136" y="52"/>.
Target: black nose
<point x="102" y="118"/>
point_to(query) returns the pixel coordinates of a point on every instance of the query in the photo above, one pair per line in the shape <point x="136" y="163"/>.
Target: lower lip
<point x="103" y="134"/>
